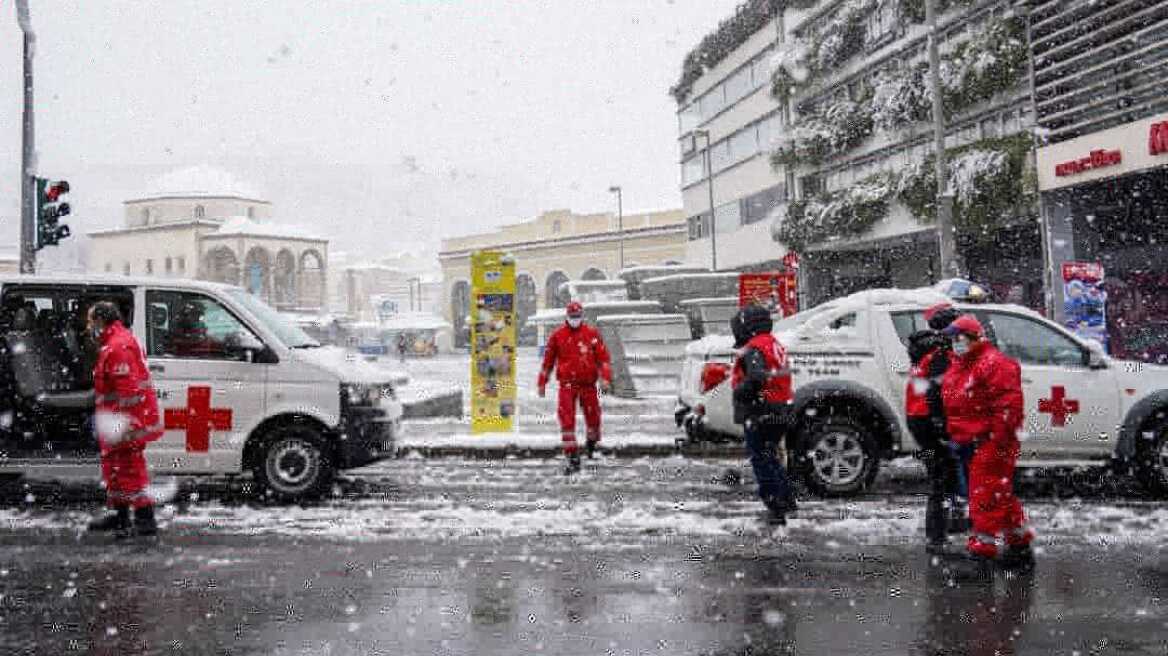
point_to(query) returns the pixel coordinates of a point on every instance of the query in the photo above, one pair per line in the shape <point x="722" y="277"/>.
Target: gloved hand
<point x="605" y="387"/>
<point x="542" y="391"/>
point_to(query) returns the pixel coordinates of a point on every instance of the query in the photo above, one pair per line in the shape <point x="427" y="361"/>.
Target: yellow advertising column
<point x="492" y="342"/>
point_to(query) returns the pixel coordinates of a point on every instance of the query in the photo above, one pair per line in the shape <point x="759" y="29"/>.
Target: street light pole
<point x="946" y="238"/>
<point x="710" y="180"/>
<point x="620" y="222"/>
<point x="28" y="152"/>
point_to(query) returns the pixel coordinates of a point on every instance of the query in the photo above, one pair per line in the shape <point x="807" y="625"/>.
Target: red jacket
<point x="127" y="408"/>
<point x="579" y="356"/>
<point x="982" y="391"/>
<point x="916" y="391"/>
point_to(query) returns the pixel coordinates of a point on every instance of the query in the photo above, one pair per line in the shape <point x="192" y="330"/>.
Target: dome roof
<point x="199" y="182"/>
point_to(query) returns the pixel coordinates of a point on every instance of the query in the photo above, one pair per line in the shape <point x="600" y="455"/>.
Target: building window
<point x="149" y="267"/>
<point x="126" y="269"/>
<point x="557" y="226"/>
<point x="200" y="211"/>
<point x="251" y="212"/>
<point x="182" y="264"/>
<point x="109" y="267"/>
<point x="169" y="266"/>
<point x="145" y="216"/>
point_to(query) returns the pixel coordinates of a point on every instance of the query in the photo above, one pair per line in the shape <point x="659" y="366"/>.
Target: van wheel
<point x="837" y="457"/>
<point x="294" y="463"/>
<point x="1152" y="462"/>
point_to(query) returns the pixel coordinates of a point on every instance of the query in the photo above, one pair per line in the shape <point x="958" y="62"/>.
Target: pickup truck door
<point x="1072" y="410"/>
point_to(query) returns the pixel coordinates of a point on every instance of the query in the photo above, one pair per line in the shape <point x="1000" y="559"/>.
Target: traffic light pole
<point x="28" y="156"/>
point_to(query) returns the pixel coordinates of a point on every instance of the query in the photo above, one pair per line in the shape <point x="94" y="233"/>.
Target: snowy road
<point x="460" y="556"/>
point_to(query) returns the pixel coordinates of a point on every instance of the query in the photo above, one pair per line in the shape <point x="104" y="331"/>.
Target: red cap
<point x="935" y="309"/>
<point x="575" y="309"/>
<point x="966" y="324"/>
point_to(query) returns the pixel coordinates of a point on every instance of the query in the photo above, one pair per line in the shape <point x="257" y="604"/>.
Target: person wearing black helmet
<point x="761" y="381"/>
<point x="929" y="353"/>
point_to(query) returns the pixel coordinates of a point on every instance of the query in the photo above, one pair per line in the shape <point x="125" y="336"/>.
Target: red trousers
<point x="566" y="412"/>
<point x="126" y="477"/>
<point x="993" y="509"/>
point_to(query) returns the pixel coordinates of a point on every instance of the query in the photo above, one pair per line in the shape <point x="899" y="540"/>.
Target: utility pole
<point x="28" y="152"/>
<point x="620" y="222"/>
<point x="946" y="237"/>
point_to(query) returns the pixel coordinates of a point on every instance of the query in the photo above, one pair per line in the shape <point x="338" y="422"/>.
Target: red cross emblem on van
<point x="198" y="419"/>
<point x="1058" y="406"/>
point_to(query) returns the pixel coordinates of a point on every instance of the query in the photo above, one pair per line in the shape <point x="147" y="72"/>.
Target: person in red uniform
<point x="126" y="420"/>
<point x="982" y="393"/>
<point x="761" y="384"/>
<point x="580" y="358"/>
<point x="929" y="352"/>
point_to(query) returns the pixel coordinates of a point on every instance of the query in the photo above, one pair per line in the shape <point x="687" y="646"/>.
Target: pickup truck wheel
<point x="837" y="457"/>
<point x="1152" y="462"/>
<point x="294" y="463"/>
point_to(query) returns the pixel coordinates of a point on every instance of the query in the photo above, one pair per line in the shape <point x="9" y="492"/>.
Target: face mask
<point x="961" y="346"/>
<point x="575" y="322"/>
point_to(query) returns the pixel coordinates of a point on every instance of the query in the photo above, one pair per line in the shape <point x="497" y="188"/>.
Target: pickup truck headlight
<point x="357" y="395"/>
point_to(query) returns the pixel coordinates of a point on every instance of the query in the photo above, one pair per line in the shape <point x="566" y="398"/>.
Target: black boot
<point x="590" y="449"/>
<point x="573" y="465"/>
<point x="144" y="523"/>
<point x="776" y="511"/>
<point x="117" y="521"/>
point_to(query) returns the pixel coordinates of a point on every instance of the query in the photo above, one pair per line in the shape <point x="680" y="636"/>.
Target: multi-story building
<point x="1103" y="167"/>
<point x="849" y="142"/>
<point x="556" y="247"/>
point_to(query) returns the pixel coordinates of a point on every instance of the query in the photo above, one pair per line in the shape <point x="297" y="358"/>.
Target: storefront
<point x="1106" y="204"/>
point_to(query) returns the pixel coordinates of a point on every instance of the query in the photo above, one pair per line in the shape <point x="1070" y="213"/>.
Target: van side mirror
<point x="242" y="342"/>
<point x="1096" y="358"/>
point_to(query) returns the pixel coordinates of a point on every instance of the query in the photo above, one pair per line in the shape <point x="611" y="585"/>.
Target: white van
<point x="241" y="389"/>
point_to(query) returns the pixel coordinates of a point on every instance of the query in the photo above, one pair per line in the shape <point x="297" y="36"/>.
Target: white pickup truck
<point x="850" y="367"/>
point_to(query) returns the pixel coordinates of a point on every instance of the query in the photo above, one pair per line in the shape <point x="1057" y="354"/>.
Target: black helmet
<point x="943" y="317"/>
<point x="738" y="329"/>
<point x="757" y="320"/>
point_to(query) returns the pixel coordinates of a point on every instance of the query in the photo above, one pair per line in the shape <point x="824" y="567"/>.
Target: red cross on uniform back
<point x="1058" y="406"/>
<point x="198" y="419"/>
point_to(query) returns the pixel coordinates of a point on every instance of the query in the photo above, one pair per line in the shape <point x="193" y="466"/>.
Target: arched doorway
<point x="311" y="280"/>
<point x="459" y="308"/>
<point x="221" y="265"/>
<point x="552" y="296"/>
<point x="257" y="273"/>
<point x="284" y="280"/>
<point x="592" y="273"/>
<point x="526" y="299"/>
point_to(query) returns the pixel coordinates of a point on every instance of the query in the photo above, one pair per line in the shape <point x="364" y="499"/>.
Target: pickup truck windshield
<point x="288" y="334"/>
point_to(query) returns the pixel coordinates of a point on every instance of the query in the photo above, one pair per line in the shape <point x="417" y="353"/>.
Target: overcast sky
<point x="408" y="120"/>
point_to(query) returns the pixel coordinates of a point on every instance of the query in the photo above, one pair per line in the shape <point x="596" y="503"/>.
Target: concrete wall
<point x="112" y="252"/>
<point x="170" y="210"/>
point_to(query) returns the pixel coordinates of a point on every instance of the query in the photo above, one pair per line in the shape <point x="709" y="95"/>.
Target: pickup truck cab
<point x="240" y="388"/>
<point x="850" y="367"/>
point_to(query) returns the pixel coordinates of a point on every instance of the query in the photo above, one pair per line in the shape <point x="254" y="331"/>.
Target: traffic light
<point x="50" y="209"/>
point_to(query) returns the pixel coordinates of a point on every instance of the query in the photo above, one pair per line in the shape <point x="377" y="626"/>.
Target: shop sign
<point x="1158" y="138"/>
<point x="1098" y="159"/>
<point x="775" y="291"/>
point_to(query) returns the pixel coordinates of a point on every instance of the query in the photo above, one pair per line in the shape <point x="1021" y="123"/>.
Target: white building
<point x="202" y="223"/>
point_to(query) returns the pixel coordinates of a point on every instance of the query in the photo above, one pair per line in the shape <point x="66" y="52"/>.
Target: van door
<point x="46" y="377"/>
<point x="209" y="391"/>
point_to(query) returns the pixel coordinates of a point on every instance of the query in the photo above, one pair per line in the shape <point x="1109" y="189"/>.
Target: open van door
<point x="46" y="369"/>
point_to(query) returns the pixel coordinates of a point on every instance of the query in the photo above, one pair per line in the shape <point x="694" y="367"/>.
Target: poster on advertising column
<point x="1085" y="301"/>
<point x="776" y="291"/>
<point x="492" y="342"/>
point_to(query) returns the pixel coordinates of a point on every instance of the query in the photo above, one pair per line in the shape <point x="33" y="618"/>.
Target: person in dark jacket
<point x="761" y="381"/>
<point x="929" y="353"/>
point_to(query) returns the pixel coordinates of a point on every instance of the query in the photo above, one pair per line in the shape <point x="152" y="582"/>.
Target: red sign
<point x="1158" y="138"/>
<point x="774" y="290"/>
<point x="1085" y="271"/>
<point x="1098" y="159"/>
<point x="1059" y="406"/>
<point x="198" y="418"/>
<point x="791" y="261"/>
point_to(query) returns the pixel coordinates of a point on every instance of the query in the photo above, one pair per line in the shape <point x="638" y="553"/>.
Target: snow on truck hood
<point x="348" y="367"/>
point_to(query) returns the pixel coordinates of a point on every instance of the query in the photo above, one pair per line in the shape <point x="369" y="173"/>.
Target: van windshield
<point x="288" y="333"/>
